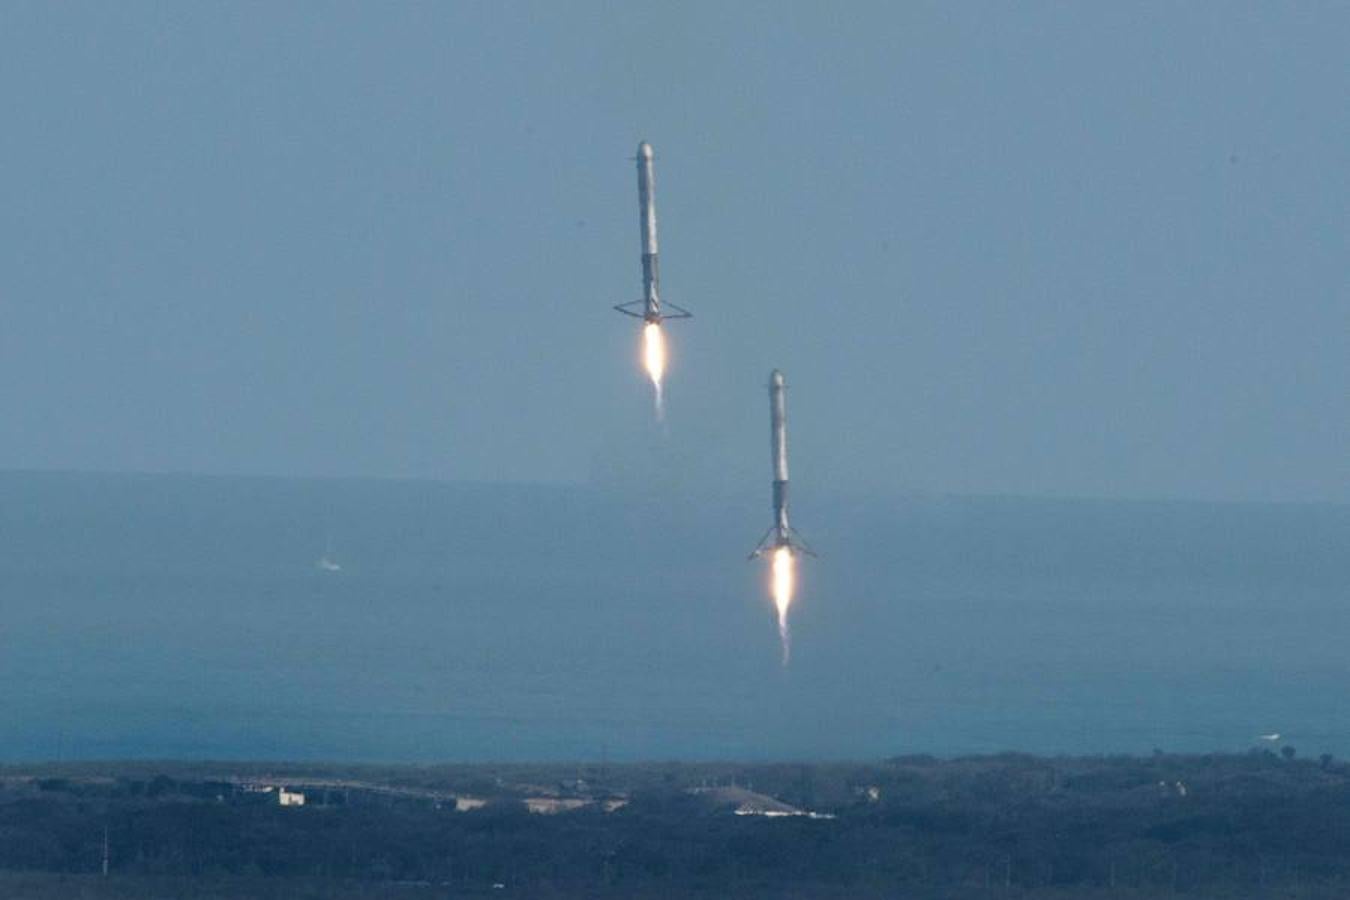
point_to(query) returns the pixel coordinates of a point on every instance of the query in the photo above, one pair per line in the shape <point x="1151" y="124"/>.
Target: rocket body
<point x="780" y="533"/>
<point x="651" y="268"/>
<point x="778" y="449"/>
<point x="649" y="308"/>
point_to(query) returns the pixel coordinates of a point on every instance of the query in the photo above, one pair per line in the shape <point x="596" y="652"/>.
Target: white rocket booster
<point x="780" y="533"/>
<point x="649" y="308"/>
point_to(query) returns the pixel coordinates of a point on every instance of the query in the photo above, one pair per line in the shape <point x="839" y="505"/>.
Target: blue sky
<point x="1059" y="249"/>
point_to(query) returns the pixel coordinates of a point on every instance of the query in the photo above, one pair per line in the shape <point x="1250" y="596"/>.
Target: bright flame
<point x="654" y="358"/>
<point x="783" y="577"/>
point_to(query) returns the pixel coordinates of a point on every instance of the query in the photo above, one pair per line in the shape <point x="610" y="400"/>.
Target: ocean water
<point x="183" y="617"/>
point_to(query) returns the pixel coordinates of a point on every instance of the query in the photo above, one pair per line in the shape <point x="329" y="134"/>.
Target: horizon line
<point x="852" y="493"/>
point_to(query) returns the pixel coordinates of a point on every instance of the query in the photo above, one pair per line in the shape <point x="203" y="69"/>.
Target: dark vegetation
<point x="1261" y="824"/>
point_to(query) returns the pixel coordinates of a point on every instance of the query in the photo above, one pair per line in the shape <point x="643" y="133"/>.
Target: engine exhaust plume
<point x="654" y="358"/>
<point x="784" y="578"/>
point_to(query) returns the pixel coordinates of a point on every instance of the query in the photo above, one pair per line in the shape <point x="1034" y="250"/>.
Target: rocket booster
<point x="780" y="533"/>
<point x="649" y="308"/>
<point x="778" y="448"/>
<point x="651" y="267"/>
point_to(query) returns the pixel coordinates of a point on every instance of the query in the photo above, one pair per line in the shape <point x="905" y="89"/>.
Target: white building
<point x="290" y="798"/>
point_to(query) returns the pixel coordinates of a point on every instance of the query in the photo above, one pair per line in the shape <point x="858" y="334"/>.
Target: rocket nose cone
<point x="776" y="379"/>
<point x="644" y="150"/>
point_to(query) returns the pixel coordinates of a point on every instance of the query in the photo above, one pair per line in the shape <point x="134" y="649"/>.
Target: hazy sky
<point x="1092" y="249"/>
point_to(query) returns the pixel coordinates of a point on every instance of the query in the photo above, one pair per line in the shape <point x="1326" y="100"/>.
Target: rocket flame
<point x="784" y="576"/>
<point x="654" y="358"/>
